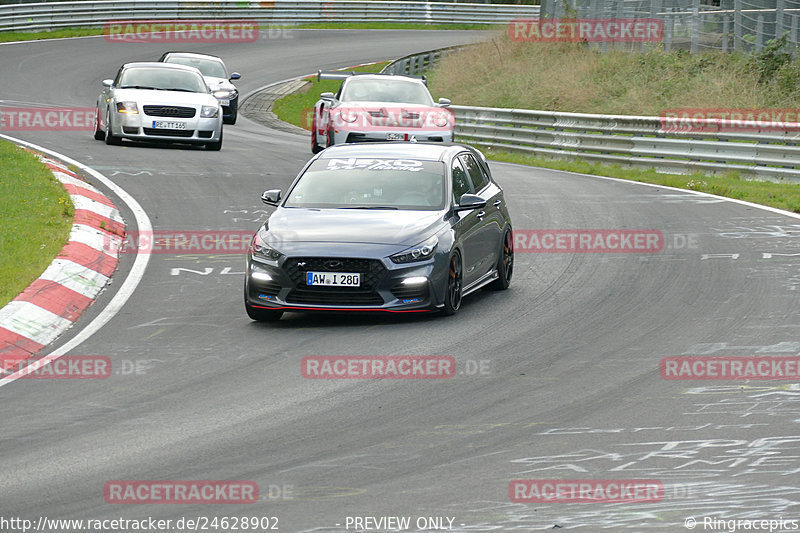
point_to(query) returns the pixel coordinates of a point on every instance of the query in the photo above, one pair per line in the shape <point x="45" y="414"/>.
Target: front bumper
<point x="140" y="127"/>
<point x="342" y="136"/>
<point x="381" y="289"/>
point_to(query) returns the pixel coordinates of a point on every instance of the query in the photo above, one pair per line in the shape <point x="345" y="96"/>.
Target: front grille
<point x="169" y="111"/>
<point x="371" y="270"/>
<point x="410" y="292"/>
<point x="334" y="296"/>
<point x="168" y="133"/>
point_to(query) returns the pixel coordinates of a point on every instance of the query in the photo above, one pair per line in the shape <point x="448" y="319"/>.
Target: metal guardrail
<point x="648" y="142"/>
<point x="631" y="140"/>
<point x="54" y="15"/>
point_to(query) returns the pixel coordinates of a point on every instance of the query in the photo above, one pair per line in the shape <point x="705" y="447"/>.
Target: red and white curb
<point x="53" y="303"/>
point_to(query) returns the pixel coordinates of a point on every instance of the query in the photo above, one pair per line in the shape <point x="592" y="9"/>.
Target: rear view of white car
<point x="158" y="102"/>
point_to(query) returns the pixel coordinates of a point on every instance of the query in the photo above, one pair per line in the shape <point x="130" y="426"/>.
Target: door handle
<point x="481" y="214"/>
<point x="497" y="203"/>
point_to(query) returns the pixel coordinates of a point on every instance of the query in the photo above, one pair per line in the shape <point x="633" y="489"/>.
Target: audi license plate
<point x="336" y="279"/>
<point x="395" y="137"/>
<point x="168" y="125"/>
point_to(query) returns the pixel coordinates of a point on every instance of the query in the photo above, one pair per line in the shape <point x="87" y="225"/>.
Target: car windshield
<point x="386" y="90"/>
<point x="167" y="79"/>
<point x="209" y="67"/>
<point x="370" y="183"/>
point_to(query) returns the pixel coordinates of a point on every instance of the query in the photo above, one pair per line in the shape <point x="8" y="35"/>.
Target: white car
<point x="158" y="102"/>
<point x="379" y="108"/>
<point x="217" y="78"/>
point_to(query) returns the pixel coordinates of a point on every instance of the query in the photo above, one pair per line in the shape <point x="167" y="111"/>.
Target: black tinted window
<point x="461" y="181"/>
<point x="476" y="175"/>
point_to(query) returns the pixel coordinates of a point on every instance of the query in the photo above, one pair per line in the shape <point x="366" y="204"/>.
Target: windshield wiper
<point x="176" y="89"/>
<point x="369" y="207"/>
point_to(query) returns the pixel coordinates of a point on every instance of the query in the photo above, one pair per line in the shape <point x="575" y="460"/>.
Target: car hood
<point x="218" y="83"/>
<point x="401" y="229"/>
<point x="146" y="97"/>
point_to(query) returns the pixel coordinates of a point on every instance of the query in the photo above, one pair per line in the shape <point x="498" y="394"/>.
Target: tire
<point x="215" y="146"/>
<point x="99" y="135"/>
<point x="505" y="263"/>
<point x="455" y="276"/>
<point x="315" y="148"/>
<point x="109" y="137"/>
<point x="232" y="119"/>
<point x="329" y="142"/>
<point x="262" y="315"/>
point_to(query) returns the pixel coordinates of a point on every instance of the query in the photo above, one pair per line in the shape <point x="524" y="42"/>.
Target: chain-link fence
<point x="696" y="25"/>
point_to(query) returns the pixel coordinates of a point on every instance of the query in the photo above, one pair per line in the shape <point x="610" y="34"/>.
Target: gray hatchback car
<point x="385" y="227"/>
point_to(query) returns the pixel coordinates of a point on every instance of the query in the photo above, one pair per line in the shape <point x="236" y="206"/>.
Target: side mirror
<point x="444" y="102"/>
<point x="235" y="76"/>
<point x="108" y="83"/>
<point x="327" y="96"/>
<point x="469" y="202"/>
<point x="272" y="197"/>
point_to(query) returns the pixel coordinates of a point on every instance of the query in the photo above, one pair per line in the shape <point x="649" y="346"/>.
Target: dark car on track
<point x="392" y="227"/>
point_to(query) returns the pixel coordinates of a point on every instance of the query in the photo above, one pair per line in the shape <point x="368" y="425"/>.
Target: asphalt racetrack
<point x="556" y="378"/>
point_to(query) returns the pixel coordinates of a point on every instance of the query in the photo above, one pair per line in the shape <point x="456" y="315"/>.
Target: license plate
<point x="168" y="125"/>
<point x="395" y="137"/>
<point x="224" y="101"/>
<point x="336" y="279"/>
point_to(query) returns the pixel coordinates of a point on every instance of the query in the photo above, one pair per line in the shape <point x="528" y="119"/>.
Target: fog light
<point x="261" y="276"/>
<point x="417" y="280"/>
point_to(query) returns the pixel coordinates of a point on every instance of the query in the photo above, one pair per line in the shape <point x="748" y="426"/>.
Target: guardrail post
<point x="694" y="27"/>
<point x="726" y="23"/>
<point x="760" y="33"/>
<point x="737" y="25"/>
<point x="669" y="27"/>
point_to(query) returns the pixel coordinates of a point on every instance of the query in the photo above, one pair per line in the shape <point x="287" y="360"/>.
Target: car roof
<point x="409" y="150"/>
<point x="383" y="77"/>
<point x="193" y="55"/>
<point x="158" y="64"/>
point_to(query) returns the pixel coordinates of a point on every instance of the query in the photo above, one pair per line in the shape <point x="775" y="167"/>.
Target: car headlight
<point x="225" y="93"/>
<point x="209" y="111"/>
<point x="420" y="252"/>
<point x="260" y="249"/>
<point x="129" y="108"/>
<point x="348" y="115"/>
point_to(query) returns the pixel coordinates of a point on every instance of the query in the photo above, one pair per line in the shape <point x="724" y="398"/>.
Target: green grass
<point x="298" y="108"/>
<point x="6" y="37"/>
<point x="35" y="219"/>
<point x="731" y="185"/>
